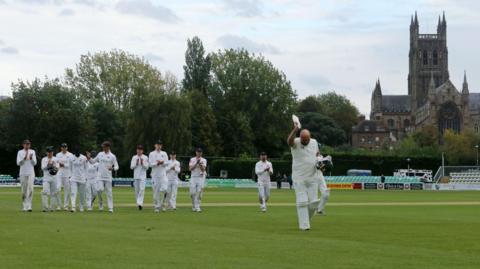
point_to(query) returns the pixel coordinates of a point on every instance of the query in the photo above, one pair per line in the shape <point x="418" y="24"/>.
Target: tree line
<point x="230" y="102"/>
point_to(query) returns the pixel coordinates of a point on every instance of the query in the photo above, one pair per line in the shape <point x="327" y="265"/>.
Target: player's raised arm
<point x="291" y="136"/>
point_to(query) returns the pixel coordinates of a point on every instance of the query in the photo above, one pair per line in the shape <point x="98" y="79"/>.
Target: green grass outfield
<point x="363" y="229"/>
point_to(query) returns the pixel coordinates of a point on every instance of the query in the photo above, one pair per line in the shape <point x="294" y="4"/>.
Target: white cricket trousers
<point x="263" y="193"/>
<point x="139" y="185"/>
<point x="172" y="189"/>
<point x="90" y="192"/>
<point x="27" y="191"/>
<point x="105" y="186"/>
<point x="322" y="186"/>
<point x="77" y="188"/>
<point x="306" y="193"/>
<point x="65" y="182"/>
<point x="196" y="188"/>
<point x="159" y="186"/>
<point x="49" y="191"/>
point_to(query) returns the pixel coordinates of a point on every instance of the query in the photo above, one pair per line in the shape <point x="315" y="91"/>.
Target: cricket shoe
<point x="312" y="207"/>
<point x="110" y="211"/>
<point x="73" y="210"/>
<point x="140" y="207"/>
<point x="156" y="211"/>
<point x="321" y="213"/>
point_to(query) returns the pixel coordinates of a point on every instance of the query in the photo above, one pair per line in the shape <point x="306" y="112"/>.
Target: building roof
<point x="396" y="103"/>
<point x="369" y="126"/>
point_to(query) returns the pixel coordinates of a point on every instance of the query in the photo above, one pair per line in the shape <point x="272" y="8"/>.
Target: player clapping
<point x="173" y="169"/>
<point x="158" y="161"/>
<point x="264" y="170"/>
<point x="139" y="165"/>
<point x="198" y="167"/>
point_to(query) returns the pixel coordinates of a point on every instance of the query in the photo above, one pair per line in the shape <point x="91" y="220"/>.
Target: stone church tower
<point x="428" y="56"/>
<point x="432" y="99"/>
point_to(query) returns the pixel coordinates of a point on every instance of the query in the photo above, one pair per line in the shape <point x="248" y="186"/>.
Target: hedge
<point x="341" y="164"/>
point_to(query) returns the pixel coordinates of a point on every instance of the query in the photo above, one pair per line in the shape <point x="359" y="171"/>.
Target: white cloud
<point x="148" y="9"/>
<point x="67" y="12"/>
<point x="244" y="8"/>
<point x="152" y="57"/>
<point x="9" y="50"/>
<point x="233" y="41"/>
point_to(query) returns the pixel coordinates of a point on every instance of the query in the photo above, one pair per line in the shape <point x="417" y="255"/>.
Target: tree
<point x="195" y="83"/>
<point x="335" y="106"/>
<point x="459" y="148"/>
<point x="310" y="104"/>
<point x="197" y="67"/>
<point x="159" y="115"/>
<point x="252" y="101"/>
<point x="112" y="77"/>
<point x="428" y="136"/>
<point x="323" y="128"/>
<point x="48" y="114"/>
<point x="204" y="124"/>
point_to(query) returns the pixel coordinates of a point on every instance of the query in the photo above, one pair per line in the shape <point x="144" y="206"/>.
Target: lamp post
<point x="476" y="146"/>
<point x="408" y="163"/>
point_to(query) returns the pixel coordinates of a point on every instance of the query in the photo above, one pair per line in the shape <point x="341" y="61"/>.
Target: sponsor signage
<point x="357" y="186"/>
<point x="370" y="186"/>
<point x="339" y="186"/>
<point x="394" y="186"/>
<point x="416" y="186"/>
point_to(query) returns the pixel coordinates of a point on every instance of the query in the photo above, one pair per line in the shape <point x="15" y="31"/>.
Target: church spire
<point x="439" y="25"/>
<point x="378" y="88"/>
<point x="465" y="83"/>
<point x="444" y="20"/>
<point x="416" y="18"/>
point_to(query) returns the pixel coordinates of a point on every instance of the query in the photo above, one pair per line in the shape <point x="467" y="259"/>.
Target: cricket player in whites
<point x="50" y="168"/>
<point x="64" y="159"/>
<point x="158" y="162"/>
<point x="91" y="185"/>
<point x="264" y="170"/>
<point x="198" y="167"/>
<point x="173" y="169"/>
<point x="107" y="162"/>
<point x="322" y="185"/>
<point x="139" y="165"/>
<point x="78" y="180"/>
<point x="26" y="160"/>
<point x="304" y="175"/>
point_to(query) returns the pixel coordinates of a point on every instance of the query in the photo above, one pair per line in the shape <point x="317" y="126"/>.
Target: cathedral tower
<point x="428" y="57"/>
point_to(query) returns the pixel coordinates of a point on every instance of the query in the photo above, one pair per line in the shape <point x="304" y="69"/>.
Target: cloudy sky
<point x="321" y="45"/>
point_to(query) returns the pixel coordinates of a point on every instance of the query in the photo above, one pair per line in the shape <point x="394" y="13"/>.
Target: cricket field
<point x="363" y="229"/>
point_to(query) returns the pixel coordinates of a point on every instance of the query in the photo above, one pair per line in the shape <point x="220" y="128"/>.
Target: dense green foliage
<point x="342" y="162"/>
<point x="252" y="101"/>
<point x="354" y="234"/>
<point x="230" y="103"/>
